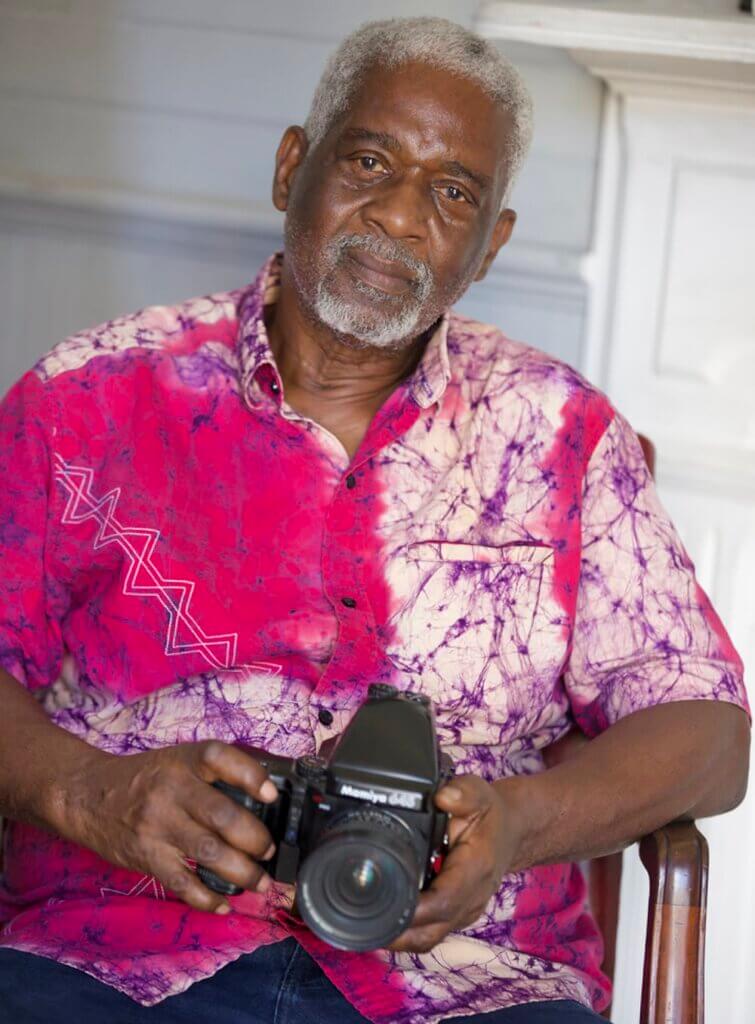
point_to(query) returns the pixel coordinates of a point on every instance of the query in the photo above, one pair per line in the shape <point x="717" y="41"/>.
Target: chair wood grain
<point x="676" y="859"/>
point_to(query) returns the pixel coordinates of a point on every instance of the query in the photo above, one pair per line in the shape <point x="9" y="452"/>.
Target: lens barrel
<point x="358" y="887"/>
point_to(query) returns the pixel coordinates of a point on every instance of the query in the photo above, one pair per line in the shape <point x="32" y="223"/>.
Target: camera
<point x="358" y="831"/>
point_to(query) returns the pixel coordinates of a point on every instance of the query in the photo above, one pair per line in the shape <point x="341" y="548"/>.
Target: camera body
<point x="359" y="831"/>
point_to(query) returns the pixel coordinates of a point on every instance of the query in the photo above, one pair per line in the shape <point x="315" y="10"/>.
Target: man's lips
<point x="391" y="277"/>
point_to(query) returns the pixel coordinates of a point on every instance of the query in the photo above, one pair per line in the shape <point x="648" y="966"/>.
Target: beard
<point x="374" y="318"/>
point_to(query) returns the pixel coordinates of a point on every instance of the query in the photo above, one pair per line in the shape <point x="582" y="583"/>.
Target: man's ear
<point x="290" y="155"/>
<point x="501" y="234"/>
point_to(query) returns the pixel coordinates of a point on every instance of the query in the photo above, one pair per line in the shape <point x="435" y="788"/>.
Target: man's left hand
<point x="482" y="845"/>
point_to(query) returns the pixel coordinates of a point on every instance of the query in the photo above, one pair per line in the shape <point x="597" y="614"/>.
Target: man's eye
<point x="368" y="163"/>
<point x="454" y="193"/>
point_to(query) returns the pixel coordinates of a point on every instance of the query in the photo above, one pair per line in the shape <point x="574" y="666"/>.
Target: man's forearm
<point x="35" y="755"/>
<point x="687" y="759"/>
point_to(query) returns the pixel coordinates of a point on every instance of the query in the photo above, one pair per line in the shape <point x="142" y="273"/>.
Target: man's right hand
<point x="151" y="812"/>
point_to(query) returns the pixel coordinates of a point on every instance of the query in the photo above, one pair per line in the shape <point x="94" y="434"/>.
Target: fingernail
<point x="269" y="852"/>
<point x="224" y="908"/>
<point x="268" y="790"/>
<point x="264" y="883"/>
<point x="452" y="793"/>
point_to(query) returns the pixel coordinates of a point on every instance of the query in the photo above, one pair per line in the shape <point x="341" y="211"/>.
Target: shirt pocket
<point x="479" y="628"/>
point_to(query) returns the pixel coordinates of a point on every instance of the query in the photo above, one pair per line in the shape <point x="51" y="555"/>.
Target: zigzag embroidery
<point x="147" y="883"/>
<point x="143" y="577"/>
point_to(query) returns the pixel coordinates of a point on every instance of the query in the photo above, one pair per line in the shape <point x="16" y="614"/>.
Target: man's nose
<point x="401" y="208"/>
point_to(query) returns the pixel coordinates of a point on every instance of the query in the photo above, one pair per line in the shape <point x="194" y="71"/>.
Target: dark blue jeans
<point x="277" y="984"/>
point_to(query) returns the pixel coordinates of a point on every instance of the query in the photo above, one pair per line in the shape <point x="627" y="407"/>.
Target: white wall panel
<point x="706" y="323"/>
<point x="49" y="143"/>
<point x="148" y="66"/>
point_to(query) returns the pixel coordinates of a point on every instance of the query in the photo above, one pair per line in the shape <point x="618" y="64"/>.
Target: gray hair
<point x="434" y="41"/>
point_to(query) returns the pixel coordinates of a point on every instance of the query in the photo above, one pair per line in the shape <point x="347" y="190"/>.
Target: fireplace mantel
<point x="673" y="46"/>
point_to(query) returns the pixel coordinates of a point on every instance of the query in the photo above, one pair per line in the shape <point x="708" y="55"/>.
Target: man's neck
<point x="314" y="361"/>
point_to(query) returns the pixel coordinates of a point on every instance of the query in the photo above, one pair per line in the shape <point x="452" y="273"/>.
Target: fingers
<point x="456" y="898"/>
<point x="211" y="851"/>
<point x="216" y="760"/>
<point x="218" y="833"/>
<point x="171" y="870"/>
<point x="464" y="797"/>
<point x="220" y="815"/>
<point x="420" y="940"/>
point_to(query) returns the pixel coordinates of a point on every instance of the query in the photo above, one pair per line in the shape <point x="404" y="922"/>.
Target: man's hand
<point x="481" y="847"/>
<point x="152" y="812"/>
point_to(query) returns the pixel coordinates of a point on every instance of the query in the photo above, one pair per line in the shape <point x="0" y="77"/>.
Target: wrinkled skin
<point x="149" y="812"/>
<point x="393" y="171"/>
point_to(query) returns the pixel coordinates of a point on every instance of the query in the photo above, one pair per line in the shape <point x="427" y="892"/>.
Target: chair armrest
<point x="676" y="860"/>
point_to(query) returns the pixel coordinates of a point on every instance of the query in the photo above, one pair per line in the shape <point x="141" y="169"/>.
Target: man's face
<point x="391" y="216"/>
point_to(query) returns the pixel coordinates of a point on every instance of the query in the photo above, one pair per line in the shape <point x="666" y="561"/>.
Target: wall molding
<point x="553" y="277"/>
<point x="592" y="25"/>
<point x="705" y="469"/>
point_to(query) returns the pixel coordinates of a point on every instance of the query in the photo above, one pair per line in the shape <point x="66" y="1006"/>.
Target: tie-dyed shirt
<point x="187" y="557"/>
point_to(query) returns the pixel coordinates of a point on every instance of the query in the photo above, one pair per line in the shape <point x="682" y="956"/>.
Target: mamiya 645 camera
<point x="359" y="832"/>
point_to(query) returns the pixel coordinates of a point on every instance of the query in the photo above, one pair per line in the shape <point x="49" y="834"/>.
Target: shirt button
<point x="325" y="716"/>
<point x="274" y="387"/>
<point x="349" y="602"/>
<point x="351" y="481"/>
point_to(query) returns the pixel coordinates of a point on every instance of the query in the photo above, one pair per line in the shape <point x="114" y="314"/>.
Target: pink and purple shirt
<point x="186" y="557"/>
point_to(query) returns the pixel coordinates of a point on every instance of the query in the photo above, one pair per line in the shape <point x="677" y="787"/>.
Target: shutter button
<point x="325" y="716"/>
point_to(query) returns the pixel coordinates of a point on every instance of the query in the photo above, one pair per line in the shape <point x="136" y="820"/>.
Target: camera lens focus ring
<point x="358" y="888"/>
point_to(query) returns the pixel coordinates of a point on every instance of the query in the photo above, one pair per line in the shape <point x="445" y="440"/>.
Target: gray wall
<point x="136" y="150"/>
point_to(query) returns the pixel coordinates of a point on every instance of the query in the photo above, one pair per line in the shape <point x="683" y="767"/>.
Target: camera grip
<point x="216" y="883"/>
<point x="205" y="875"/>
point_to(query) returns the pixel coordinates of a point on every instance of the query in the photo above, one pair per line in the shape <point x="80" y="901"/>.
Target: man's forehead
<point x="418" y="104"/>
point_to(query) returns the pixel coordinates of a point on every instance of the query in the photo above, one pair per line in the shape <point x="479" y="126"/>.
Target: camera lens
<point x="358" y="887"/>
<point x="359" y="881"/>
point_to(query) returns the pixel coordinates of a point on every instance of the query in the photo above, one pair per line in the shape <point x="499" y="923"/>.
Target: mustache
<point x="422" y="275"/>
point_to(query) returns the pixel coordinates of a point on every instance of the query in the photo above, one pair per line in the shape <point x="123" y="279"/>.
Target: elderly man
<point x="222" y="521"/>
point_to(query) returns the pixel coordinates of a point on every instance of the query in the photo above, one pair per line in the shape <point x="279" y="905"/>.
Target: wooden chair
<point x="676" y="859"/>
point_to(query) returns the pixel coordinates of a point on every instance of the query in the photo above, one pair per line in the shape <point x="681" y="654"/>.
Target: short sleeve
<point x="644" y="633"/>
<point x="30" y="639"/>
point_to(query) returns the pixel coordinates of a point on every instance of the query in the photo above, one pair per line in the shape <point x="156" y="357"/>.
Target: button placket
<point x="344" y="588"/>
<point x="358" y="657"/>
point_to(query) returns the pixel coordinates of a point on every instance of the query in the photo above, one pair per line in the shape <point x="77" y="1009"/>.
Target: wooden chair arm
<point x="676" y="860"/>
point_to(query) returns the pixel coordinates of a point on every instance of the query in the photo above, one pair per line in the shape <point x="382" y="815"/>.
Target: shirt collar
<point x="253" y="342"/>
<point x="426" y="385"/>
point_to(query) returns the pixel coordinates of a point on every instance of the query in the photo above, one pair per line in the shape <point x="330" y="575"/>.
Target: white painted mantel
<point x="671" y="29"/>
<point x="671" y="338"/>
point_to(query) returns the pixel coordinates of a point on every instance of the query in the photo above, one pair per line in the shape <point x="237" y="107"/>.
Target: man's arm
<point x="35" y="756"/>
<point x="651" y="672"/>
<point x="688" y="759"/>
<point x="146" y="812"/>
<point x="682" y="760"/>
